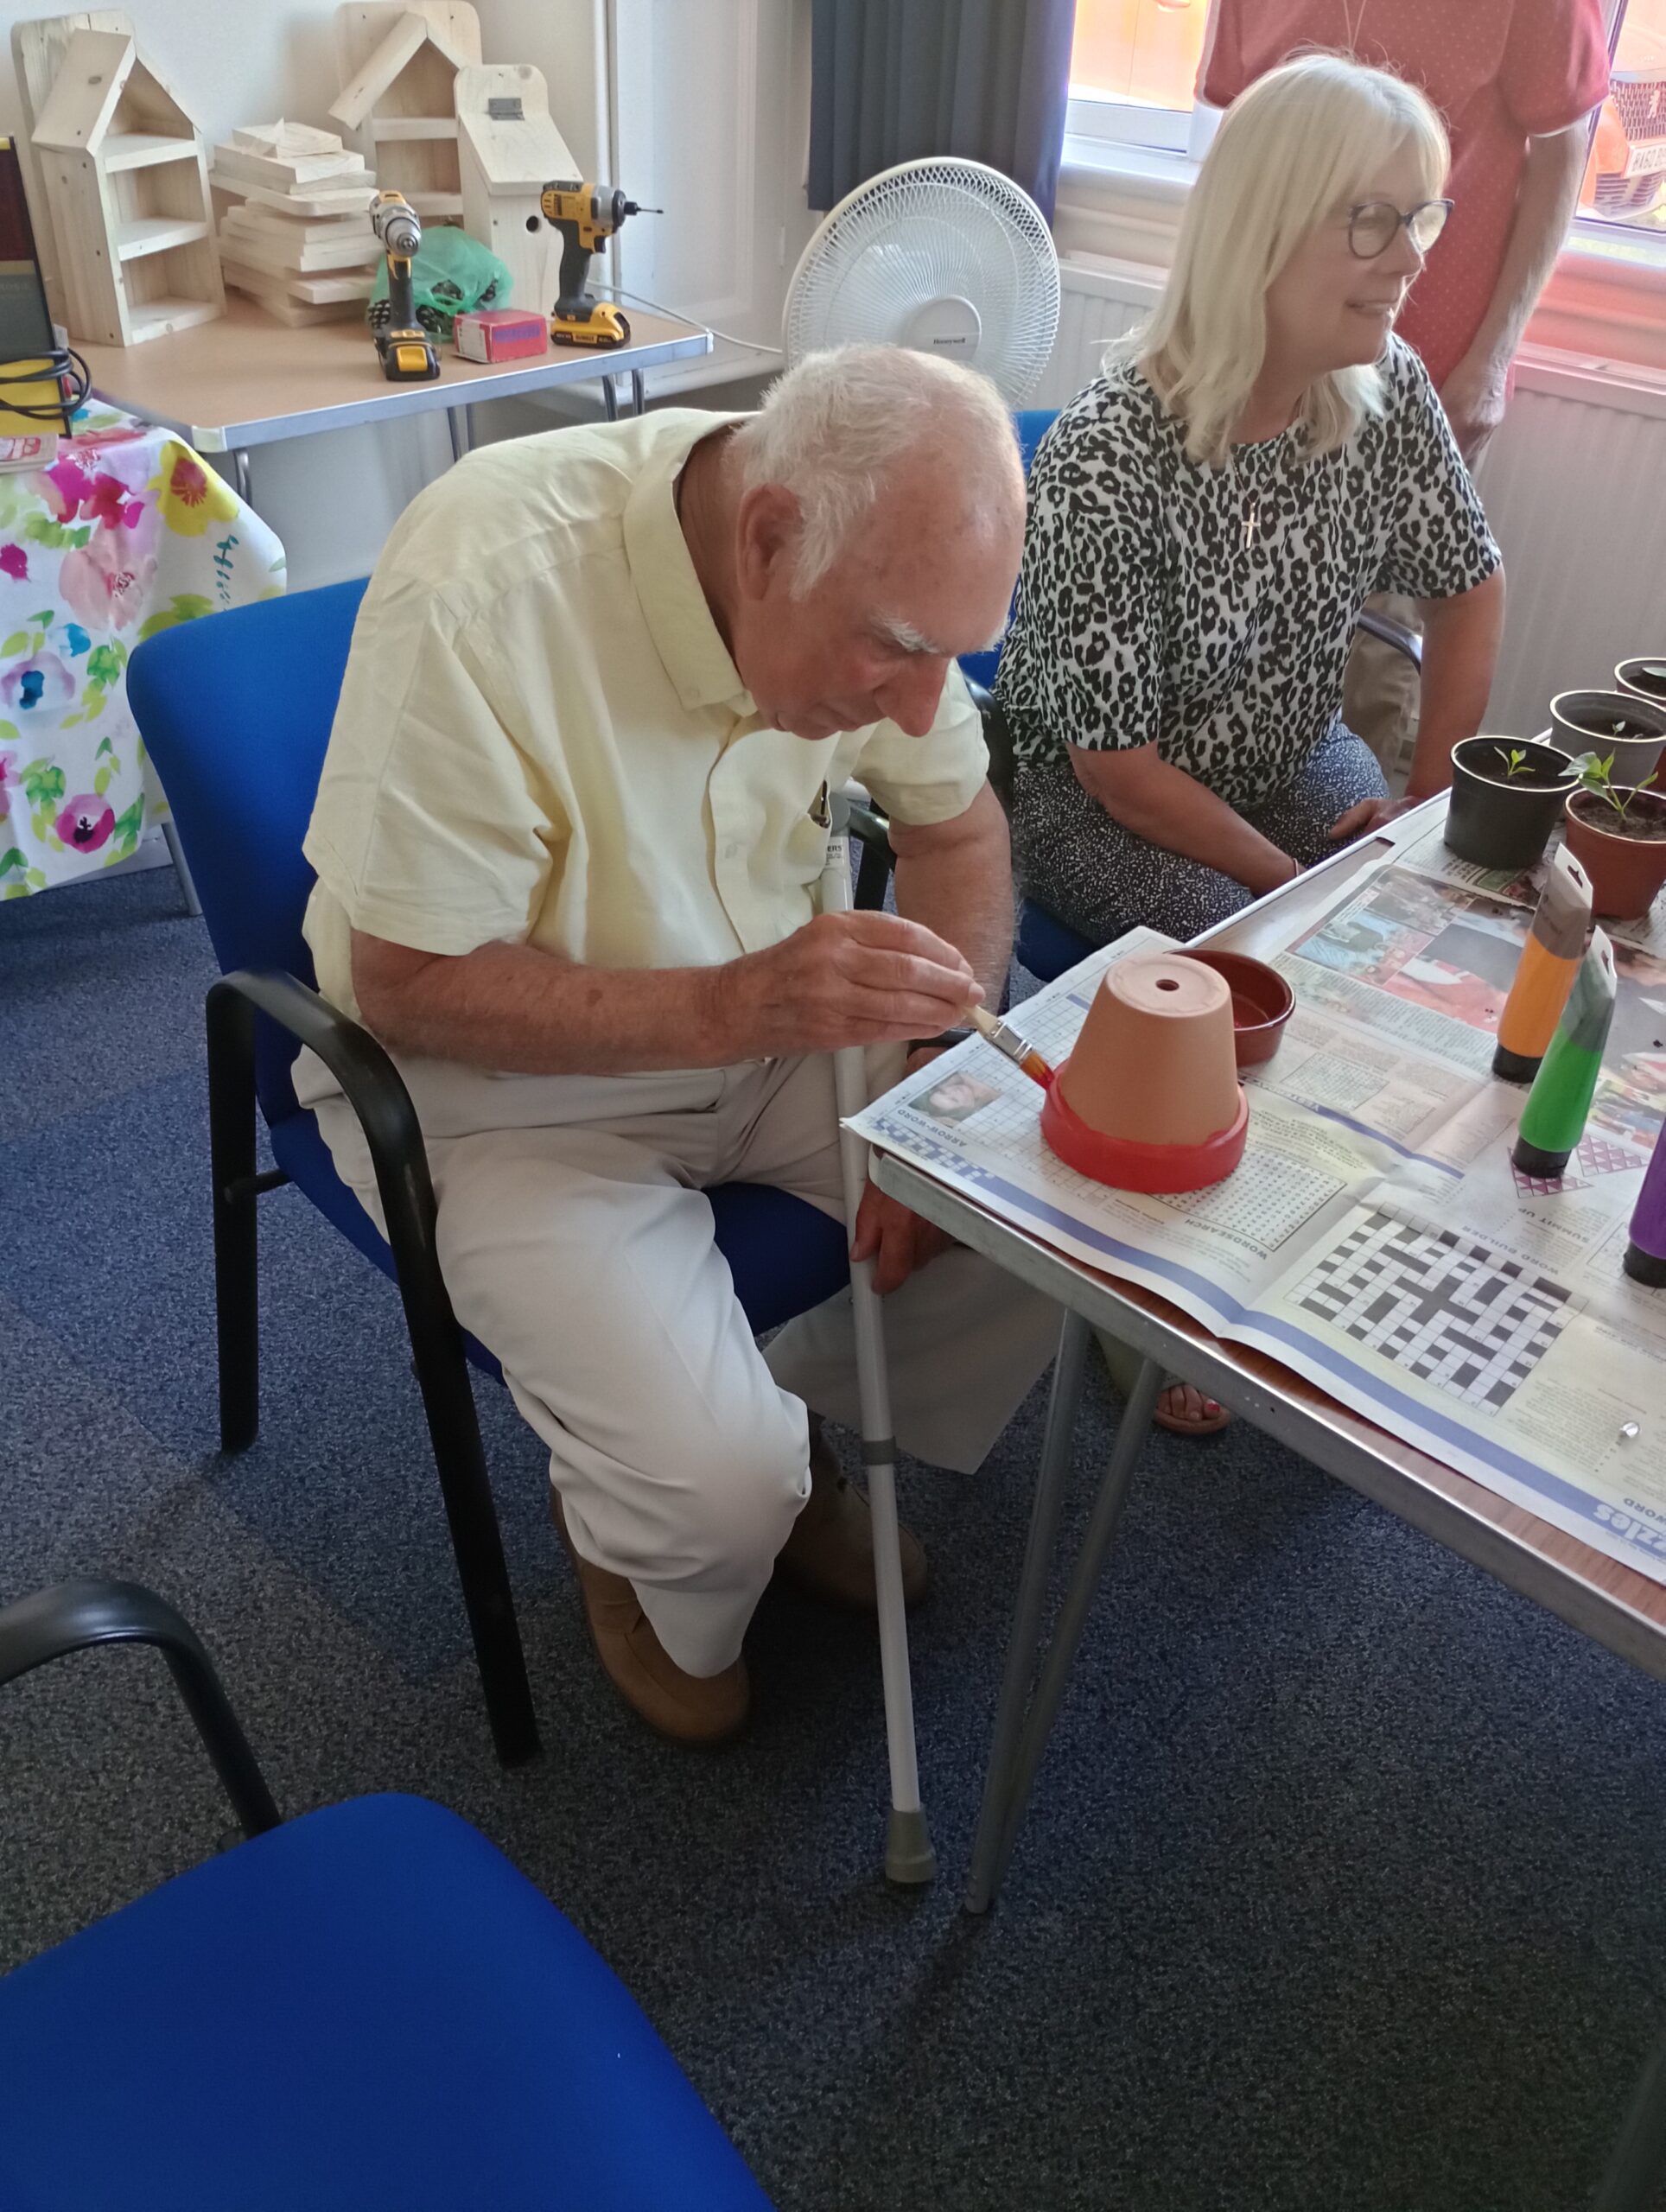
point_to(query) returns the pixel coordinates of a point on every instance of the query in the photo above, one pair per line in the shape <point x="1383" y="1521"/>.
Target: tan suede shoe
<point x="831" y="1551"/>
<point x="689" y="1708"/>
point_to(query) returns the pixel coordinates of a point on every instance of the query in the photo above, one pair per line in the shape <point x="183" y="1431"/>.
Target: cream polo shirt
<point x="542" y="737"/>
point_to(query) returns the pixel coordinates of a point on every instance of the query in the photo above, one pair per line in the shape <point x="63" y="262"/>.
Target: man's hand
<point x="897" y="1241"/>
<point x="843" y="979"/>
<point x="1369" y="814"/>
<point x="1473" y="397"/>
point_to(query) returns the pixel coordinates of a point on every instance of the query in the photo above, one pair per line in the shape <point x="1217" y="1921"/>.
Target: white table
<point x="247" y="380"/>
<point x="1612" y="1603"/>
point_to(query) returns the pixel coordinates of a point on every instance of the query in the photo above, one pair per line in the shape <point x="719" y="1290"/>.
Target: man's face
<point x="924" y="580"/>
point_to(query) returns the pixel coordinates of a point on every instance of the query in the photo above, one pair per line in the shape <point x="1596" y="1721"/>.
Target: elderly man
<point x="567" y="839"/>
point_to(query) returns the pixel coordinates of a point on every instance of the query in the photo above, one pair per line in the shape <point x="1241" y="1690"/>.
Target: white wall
<point x="332" y="499"/>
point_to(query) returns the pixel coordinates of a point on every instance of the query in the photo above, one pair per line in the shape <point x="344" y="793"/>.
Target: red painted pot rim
<point x="1157" y="1168"/>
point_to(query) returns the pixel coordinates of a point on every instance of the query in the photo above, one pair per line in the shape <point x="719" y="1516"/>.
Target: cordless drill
<point x="585" y="214"/>
<point x="406" y="350"/>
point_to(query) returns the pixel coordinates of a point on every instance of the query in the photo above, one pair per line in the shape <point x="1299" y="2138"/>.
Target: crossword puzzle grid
<point x="1461" y="1317"/>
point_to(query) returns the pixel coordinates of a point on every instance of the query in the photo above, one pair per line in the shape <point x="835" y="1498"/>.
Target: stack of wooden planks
<point x="295" y="232"/>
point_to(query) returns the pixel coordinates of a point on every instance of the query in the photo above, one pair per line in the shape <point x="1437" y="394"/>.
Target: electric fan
<point x="945" y="256"/>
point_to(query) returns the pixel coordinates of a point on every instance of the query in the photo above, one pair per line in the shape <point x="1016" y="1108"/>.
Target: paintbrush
<point x="1007" y="1040"/>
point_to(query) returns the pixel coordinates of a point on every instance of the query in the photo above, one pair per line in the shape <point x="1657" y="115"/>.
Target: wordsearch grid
<point x="1264" y="1205"/>
<point x="1463" y="1318"/>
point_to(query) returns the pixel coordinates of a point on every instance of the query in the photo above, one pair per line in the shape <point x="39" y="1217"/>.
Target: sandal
<point x="1123" y="1363"/>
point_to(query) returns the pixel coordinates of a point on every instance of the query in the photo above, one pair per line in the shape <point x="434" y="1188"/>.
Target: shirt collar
<point x="679" y="620"/>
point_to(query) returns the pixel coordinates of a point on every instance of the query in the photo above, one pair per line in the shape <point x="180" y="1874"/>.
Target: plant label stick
<point x="1646" y="1255"/>
<point x="1554" y="1120"/>
<point x="1548" y="965"/>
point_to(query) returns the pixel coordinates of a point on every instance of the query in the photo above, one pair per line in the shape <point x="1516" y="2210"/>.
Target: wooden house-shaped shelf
<point x="397" y="103"/>
<point x="123" y="169"/>
<point x="508" y="149"/>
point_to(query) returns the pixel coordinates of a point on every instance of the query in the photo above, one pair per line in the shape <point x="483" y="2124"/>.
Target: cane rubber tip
<point x="910" y="1861"/>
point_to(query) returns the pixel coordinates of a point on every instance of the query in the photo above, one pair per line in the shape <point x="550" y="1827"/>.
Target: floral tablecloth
<point x="126" y="534"/>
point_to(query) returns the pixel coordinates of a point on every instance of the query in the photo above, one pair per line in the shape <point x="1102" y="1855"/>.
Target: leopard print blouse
<point x="1212" y="609"/>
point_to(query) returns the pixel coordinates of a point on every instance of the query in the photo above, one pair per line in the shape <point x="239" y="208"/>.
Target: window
<point x="1626" y="177"/>
<point x="1132" y="68"/>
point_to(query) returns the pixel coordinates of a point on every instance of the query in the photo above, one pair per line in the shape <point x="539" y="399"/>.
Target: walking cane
<point x="908" y="1855"/>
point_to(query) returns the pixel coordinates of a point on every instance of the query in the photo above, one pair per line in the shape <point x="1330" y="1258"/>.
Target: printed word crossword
<point x="1465" y="1319"/>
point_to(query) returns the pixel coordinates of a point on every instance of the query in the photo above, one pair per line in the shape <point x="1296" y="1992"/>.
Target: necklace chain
<point x="1352" y="19"/>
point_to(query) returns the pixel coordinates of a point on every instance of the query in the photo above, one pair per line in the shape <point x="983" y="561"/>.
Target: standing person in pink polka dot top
<point x="1515" y="82"/>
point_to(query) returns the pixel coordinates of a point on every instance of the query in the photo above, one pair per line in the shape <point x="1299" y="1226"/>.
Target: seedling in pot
<point x="1597" y="776"/>
<point x="1516" y="762"/>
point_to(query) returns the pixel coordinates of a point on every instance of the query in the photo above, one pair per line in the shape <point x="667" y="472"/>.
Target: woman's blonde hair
<point x="1297" y="148"/>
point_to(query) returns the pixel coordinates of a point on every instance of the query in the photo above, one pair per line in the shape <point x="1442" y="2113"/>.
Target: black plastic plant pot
<point x="1499" y="820"/>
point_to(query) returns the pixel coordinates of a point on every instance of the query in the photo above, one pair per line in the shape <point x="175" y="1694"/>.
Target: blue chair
<point x="364" y="2008"/>
<point x="235" y="712"/>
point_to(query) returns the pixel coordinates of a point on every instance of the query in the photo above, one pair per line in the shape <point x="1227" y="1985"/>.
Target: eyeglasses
<point x="1373" y="224"/>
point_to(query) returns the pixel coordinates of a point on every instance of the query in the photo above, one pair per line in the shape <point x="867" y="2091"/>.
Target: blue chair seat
<point x="1044" y="944"/>
<point x="785" y="1254"/>
<point x="366" y="2007"/>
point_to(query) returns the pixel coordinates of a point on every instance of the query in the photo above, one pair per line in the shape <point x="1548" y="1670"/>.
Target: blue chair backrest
<point x="1032" y="425"/>
<point x="236" y="711"/>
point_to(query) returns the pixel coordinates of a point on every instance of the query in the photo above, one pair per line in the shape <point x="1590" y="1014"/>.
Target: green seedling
<point x="1516" y="762"/>
<point x="1595" y="775"/>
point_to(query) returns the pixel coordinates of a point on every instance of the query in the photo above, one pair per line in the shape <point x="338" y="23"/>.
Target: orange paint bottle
<point x="1550" y="962"/>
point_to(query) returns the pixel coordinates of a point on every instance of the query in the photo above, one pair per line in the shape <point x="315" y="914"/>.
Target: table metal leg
<point x="240" y="477"/>
<point x="461" y="423"/>
<point x="638" y="392"/>
<point x="1069" y="1370"/>
<point x="1131" y="1434"/>
<point x="176" y="854"/>
<point x="610" y="397"/>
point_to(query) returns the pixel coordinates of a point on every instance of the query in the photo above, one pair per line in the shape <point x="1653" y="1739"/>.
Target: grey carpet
<point x="1342" y="1887"/>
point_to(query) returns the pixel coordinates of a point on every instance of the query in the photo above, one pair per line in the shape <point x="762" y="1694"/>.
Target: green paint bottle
<point x="1554" y="1120"/>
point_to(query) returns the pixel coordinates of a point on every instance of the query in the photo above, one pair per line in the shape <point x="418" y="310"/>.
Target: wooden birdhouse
<point x="508" y="149"/>
<point x="122" y="167"/>
<point x="397" y="103"/>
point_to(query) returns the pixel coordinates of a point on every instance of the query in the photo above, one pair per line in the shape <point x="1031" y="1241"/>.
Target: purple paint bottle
<point x="1646" y="1255"/>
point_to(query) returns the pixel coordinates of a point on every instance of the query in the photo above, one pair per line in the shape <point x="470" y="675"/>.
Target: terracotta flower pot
<point x="1498" y="820"/>
<point x="1644" y="675"/>
<point x="1262" y="1003"/>
<point x="1583" y="723"/>
<point x="1627" y="872"/>
<point x="1149" y="1100"/>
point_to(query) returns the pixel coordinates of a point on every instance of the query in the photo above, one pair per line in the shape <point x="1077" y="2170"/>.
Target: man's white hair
<point x="839" y="423"/>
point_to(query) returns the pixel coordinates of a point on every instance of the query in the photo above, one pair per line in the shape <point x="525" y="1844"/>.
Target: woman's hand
<point x="1369" y="814"/>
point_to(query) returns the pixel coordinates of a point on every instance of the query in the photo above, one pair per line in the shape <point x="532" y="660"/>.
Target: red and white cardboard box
<point x="500" y="333"/>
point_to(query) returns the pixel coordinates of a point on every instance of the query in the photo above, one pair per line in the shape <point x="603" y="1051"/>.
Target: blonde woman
<point x="1209" y="516"/>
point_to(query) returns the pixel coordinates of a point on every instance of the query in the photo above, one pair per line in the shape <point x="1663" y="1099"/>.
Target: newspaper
<point x="1376" y="1236"/>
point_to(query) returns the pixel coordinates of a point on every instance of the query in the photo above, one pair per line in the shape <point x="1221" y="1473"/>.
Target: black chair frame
<point x="375" y="1091"/>
<point x="77" y="1616"/>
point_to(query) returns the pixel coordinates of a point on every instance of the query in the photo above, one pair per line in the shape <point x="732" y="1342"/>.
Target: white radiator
<point x="1575" y="491"/>
<point x="1574" y="486"/>
<point x="1102" y="299"/>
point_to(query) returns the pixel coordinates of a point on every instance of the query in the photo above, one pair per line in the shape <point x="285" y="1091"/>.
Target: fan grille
<point x="926" y="231"/>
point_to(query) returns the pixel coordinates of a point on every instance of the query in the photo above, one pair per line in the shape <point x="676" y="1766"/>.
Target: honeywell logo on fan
<point x="956" y="341"/>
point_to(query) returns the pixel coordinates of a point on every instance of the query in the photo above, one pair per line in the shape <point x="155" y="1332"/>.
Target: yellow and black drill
<point x="585" y="214"/>
<point x="407" y="351"/>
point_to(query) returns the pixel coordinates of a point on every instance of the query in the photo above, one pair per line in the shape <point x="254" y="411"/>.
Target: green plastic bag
<point x="452" y="273"/>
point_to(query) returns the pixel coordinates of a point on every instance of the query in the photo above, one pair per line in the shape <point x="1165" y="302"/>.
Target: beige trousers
<point x="1380" y="692"/>
<point x="575" y="1243"/>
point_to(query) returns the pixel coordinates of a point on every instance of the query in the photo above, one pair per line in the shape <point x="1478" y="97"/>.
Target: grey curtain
<point x="893" y="79"/>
